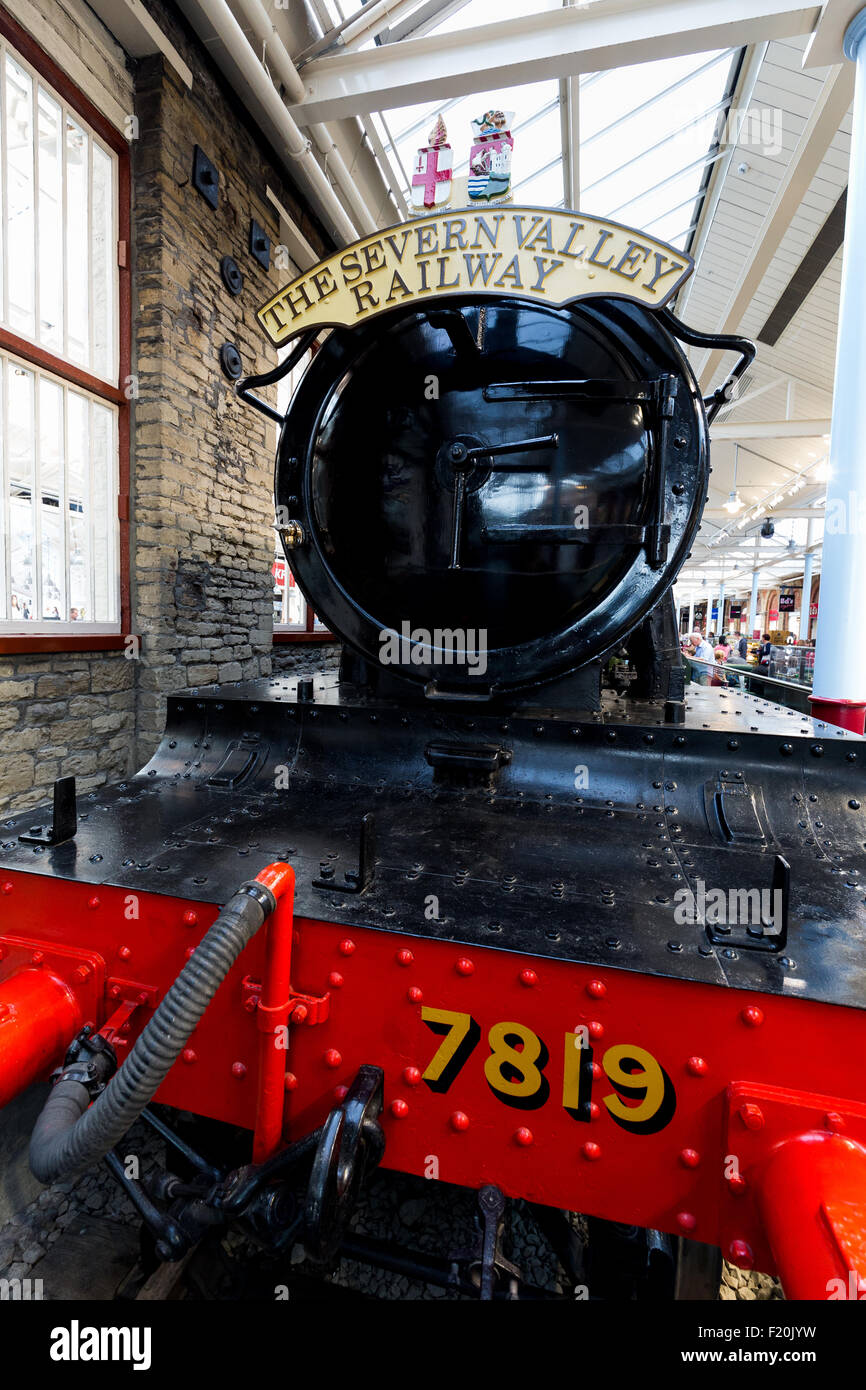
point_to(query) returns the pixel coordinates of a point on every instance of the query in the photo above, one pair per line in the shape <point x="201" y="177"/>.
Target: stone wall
<point x="202" y="463"/>
<point x="63" y="714"/>
<point x="305" y="658"/>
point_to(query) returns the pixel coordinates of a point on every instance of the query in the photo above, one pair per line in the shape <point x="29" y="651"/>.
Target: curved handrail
<point x="243" y="389"/>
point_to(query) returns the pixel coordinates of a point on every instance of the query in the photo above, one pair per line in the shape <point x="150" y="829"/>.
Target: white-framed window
<point x="60" y="396"/>
<point x="58" y="481"/>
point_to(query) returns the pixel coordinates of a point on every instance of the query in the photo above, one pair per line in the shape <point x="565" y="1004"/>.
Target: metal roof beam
<point x="431" y="14"/>
<point x="771" y="429"/>
<point x="536" y="47"/>
<point x="823" y="124"/>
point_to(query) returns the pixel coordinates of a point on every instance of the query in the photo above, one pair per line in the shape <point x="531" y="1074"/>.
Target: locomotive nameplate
<point x="530" y="253"/>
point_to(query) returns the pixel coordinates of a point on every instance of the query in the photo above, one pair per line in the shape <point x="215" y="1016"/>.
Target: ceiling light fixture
<point x="735" y="502"/>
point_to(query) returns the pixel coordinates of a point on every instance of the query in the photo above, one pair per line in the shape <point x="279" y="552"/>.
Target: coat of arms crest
<point x="490" y="156"/>
<point x="431" y="173"/>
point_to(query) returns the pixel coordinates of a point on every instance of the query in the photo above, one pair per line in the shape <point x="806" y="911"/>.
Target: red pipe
<point x="39" y="1016"/>
<point x="272" y="1014"/>
<point x="813" y="1202"/>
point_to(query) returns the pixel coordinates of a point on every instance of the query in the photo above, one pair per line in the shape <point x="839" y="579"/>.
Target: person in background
<point x="764" y="650"/>
<point x="73" y="615"/>
<point x="743" y="648"/>
<point x="702" y="652"/>
<point x="724" y="643"/>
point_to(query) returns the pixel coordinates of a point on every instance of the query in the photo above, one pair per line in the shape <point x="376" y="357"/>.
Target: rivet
<point x="596" y="1029"/>
<point x="291" y="1081"/>
<point x="596" y="1071"/>
<point x="751" y="1115"/>
<point x="189" y="952"/>
<point x="299" y="1013"/>
<point x="412" y="1076"/>
<point x="346" y="947"/>
<point x="689" y="1158"/>
<point x="124" y="953"/>
<point x="753" y="1017"/>
<point x="591" y="1151"/>
<point x="93" y="903"/>
<point x="405" y="957"/>
<point x="740" y="1253"/>
<point x="528" y="978"/>
<point x="333" y="1058"/>
<point x="465" y="966"/>
<point x="523" y="1136"/>
<point x="189" y="1056"/>
<point x="594" y="1110"/>
<point x="335" y="979"/>
<point x="399" y="1109"/>
<point x="414" y="995"/>
<point x="340" y="1092"/>
<point x="251" y="1003"/>
<point x="697" y="1066"/>
<point x="239" y="1070"/>
<point x="597" y="989"/>
<point x="853" y="803"/>
<point x="81" y="972"/>
<point x="190" y="918"/>
<point x="38" y="957"/>
<point x="459" y="1120"/>
<point x="686" y="1221"/>
<point x="834" y="1122"/>
<point x="737" y="1184"/>
<point x="7" y="888"/>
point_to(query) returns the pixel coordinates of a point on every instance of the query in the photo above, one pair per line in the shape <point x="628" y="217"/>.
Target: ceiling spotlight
<point x="734" y="502"/>
<point x="768" y="529"/>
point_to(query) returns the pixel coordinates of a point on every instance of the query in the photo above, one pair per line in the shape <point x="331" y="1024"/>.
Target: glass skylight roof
<point x="648" y="133"/>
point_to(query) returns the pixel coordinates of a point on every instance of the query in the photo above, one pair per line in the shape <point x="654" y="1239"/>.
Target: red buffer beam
<point x="39" y="1014"/>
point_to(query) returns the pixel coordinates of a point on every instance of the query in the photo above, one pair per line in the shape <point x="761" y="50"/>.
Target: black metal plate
<point x="205" y="176"/>
<point x="534" y="864"/>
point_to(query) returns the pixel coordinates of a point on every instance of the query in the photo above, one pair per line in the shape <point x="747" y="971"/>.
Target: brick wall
<point x="202" y="463"/>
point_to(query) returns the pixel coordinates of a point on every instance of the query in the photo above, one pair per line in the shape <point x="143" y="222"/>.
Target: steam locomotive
<point x="502" y="903"/>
